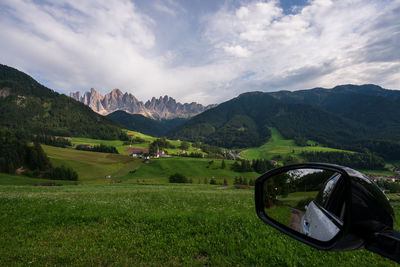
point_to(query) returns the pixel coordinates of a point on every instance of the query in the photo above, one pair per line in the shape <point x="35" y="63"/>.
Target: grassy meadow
<point x="149" y="225"/>
<point x="92" y="167"/>
<point x="158" y="170"/>
<point x="145" y="221"/>
<point x="10" y="179"/>
<point x="278" y="146"/>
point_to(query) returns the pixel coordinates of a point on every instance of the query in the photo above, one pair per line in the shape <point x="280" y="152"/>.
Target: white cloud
<point x="237" y="50"/>
<point x="324" y="44"/>
<point x="80" y="44"/>
<point x="163" y="8"/>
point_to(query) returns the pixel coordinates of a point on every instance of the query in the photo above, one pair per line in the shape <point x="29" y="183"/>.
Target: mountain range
<point x="358" y="118"/>
<point x="162" y="108"/>
<point x="347" y="116"/>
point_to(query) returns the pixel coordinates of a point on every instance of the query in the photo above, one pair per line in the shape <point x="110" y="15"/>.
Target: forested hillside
<point x="343" y="117"/>
<point x="244" y="122"/>
<point x="140" y="123"/>
<point x="371" y="105"/>
<point x="27" y="106"/>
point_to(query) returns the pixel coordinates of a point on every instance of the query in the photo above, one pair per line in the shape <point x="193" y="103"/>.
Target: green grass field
<point x="149" y="225"/>
<point x="379" y="172"/>
<point x="278" y="146"/>
<point x="9" y="179"/>
<point x="92" y="167"/>
<point x="121" y="147"/>
<point x="158" y="170"/>
<point x="293" y="198"/>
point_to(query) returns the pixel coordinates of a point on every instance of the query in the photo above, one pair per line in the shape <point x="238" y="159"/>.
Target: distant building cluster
<point x="377" y="177"/>
<point x="144" y="153"/>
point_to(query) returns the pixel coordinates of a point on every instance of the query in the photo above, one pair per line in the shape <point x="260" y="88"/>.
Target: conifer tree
<point x="223" y="166"/>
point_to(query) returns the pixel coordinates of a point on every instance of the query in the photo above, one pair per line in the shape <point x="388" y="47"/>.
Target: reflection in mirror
<point x="309" y="201"/>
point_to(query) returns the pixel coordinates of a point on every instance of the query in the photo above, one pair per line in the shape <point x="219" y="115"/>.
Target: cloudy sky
<point x="202" y="50"/>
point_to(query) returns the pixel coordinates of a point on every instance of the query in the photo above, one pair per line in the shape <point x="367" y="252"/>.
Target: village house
<point x="137" y="152"/>
<point x="161" y="154"/>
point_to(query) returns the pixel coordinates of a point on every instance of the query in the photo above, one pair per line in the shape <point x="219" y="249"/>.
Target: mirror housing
<point x="367" y="216"/>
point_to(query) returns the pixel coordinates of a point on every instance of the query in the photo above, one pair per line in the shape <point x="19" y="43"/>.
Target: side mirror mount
<point x="328" y="207"/>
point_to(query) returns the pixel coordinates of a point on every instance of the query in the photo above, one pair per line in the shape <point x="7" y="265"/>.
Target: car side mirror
<point x="328" y="207"/>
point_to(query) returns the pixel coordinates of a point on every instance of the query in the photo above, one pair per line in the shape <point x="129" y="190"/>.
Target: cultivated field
<point x="149" y="225"/>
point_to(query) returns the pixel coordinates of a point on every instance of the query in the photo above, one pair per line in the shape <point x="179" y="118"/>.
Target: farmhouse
<point x="161" y="154"/>
<point x="137" y="151"/>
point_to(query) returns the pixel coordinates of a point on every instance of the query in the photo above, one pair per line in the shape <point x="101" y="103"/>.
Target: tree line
<point x="258" y="165"/>
<point x="52" y="140"/>
<point x="366" y="160"/>
<point x="390" y="187"/>
<point x="98" y="148"/>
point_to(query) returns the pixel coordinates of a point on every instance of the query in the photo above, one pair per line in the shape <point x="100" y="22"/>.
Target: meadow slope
<point x="92" y="167"/>
<point x="278" y="146"/>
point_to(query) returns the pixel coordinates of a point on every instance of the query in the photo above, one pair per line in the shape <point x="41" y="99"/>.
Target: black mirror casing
<point x="367" y="211"/>
<point x="371" y="212"/>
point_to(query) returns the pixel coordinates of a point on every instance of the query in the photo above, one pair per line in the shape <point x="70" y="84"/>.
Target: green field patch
<point x="171" y="151"/>
<point x="293" y="198"/>
<point x="92" y="167"/>
<point x="149" y="225"/>
<point x="278" y="146"/>
<point x="191" y="167"/>
<point x="279" y="213"/>
<point x="9" y="179"/>
<point x="141" y="135"/>
<point x="118" y="144"/>
<point x="379" y="172"/>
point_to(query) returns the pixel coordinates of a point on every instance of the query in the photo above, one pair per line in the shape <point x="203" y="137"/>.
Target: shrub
<point x="178" y="178"/>
<point x="62" y="173"/>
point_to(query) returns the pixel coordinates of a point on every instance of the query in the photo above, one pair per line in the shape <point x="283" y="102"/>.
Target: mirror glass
<point x="309" y="201"/>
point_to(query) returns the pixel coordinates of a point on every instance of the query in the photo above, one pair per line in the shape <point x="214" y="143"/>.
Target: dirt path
<point x="295" y="219"/>
<point x="124" y="170"/>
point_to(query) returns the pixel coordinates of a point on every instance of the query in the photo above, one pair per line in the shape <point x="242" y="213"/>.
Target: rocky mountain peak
<point x="164" y="107"/>
<point x="116" y="92"/>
